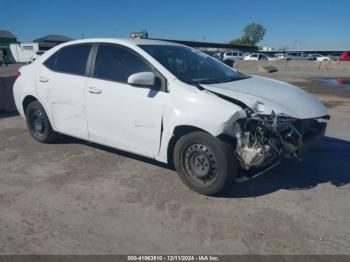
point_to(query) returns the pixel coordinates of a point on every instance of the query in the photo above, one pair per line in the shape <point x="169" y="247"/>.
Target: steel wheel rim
<point x="200" y="163"/>
<point x="37" y="122"/>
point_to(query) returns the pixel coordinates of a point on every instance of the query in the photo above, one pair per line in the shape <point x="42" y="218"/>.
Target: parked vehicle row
<point x="168" y="102"/>
<point x="230" y="57"/>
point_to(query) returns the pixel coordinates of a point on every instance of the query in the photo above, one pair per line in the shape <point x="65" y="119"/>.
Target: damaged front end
<point x="263" y="139"/>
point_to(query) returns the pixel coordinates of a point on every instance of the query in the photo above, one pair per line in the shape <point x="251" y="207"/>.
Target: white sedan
<point x="168" y="102"/>
<point x="319" y="57"/>
<point x="330" y="57"/>
<point x="257" y="56"/>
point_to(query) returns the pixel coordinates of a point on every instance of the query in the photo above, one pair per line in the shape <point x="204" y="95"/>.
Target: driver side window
<point x="117" y="63"/>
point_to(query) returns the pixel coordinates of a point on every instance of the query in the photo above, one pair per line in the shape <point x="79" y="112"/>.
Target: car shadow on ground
<point x="328" y="163"/>
<point x="63" y="139"/>
<point x="4" y="114"/>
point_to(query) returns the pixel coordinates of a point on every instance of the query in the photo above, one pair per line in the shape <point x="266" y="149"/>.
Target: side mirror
<point x="142" y="79"/>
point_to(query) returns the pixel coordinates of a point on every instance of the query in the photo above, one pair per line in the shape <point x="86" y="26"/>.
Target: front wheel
<point x="205" y="163"/>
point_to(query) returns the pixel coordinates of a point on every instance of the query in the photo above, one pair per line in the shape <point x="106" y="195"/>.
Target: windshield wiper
<point x="218" y="81"/>
<point x="231" y="79"/>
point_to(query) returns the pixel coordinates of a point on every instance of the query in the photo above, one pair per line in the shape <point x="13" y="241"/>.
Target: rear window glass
<point x="70" y="59"/>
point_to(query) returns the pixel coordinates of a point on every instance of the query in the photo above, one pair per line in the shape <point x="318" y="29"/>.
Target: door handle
<point x="43" y="79"/>
<point x="94" y="90"/>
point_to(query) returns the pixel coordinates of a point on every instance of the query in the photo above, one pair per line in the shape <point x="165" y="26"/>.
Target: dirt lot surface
<point x="74" y="197"/>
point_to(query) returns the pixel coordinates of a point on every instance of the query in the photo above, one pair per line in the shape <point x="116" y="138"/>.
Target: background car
<point x="321" y="58"/>
<point x="345" y="56"/>
<point x="257" y="56"/>
<point x="296" y="56"/>
<point x="332" y="57"/>
<point x="217" y="56"/>
<point x="316" y="56"/>
<point x="37" y="54"/>
<point x="233" y="56"/>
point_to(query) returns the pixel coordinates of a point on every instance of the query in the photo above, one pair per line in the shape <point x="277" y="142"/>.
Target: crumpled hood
<point x="276" y="96"/>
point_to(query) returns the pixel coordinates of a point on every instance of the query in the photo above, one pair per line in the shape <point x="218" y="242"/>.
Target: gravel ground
<point x="74" y="197"/>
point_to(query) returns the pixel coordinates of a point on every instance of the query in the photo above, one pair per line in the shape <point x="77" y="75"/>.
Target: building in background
<point x="6" y="38"/>
<point x="49" y="41"/>
<point x="266" y="48"/>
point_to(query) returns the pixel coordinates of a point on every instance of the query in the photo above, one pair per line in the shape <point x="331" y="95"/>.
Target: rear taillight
<point x="17" y="75"/>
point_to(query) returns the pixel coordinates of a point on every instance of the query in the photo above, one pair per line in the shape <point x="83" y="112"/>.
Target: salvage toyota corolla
<point x="169" y="102"/>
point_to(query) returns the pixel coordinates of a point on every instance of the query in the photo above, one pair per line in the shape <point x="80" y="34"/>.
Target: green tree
<point x="238" y="41"/>
<point x="253" y="34"/>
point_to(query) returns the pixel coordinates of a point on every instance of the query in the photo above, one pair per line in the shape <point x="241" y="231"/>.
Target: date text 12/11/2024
<point x="173" y="258"/>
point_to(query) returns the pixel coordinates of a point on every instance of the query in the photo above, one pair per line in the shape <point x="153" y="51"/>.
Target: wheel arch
<point x="30" y="98"/>
<point x="182" y="130"/>
<point x="178" y="132"/>
<point x="26" y="101"/>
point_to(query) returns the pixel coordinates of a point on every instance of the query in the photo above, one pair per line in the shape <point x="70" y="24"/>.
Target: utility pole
<point x="295" y="44"/>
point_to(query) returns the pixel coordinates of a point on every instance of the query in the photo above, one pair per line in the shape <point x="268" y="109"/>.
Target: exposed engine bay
<point x="263" y="139"/>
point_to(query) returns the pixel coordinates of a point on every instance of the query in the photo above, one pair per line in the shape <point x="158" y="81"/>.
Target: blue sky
<point x="307" y="24"/>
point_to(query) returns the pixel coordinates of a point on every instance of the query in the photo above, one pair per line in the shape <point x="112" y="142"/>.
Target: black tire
<point x="38" y="123"/>
<point x="205" y="163"/>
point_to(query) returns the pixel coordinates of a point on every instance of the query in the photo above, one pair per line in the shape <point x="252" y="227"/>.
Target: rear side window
<point x="117" y="63"/>
<point x="70" y="59"/>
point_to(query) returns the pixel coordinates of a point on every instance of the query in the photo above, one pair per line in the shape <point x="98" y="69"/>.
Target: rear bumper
<point x="313" y="139"/>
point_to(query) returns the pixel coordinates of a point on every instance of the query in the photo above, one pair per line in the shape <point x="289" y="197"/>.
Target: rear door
<point x="60" y="84"/>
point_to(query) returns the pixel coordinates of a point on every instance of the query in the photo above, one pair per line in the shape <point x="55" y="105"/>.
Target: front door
<point x="118" y="114"/>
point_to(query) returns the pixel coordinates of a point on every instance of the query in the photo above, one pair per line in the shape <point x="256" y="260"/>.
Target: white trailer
<point x="23" y="52"/>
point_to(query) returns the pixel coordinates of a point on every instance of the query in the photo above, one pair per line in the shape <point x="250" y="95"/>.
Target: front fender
<point x="204" y="111"/>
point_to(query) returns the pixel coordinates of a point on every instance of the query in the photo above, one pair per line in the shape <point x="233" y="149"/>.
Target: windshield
<point x="192" y="66"/>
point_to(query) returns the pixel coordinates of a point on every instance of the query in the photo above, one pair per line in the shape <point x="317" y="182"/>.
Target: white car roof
<point x="124" y="41"/>
<point x="131" y="43"/>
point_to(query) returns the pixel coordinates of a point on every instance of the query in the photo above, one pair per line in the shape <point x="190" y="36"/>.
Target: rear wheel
<point x="205" y="163"/>
<point x="38" y="123"/>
